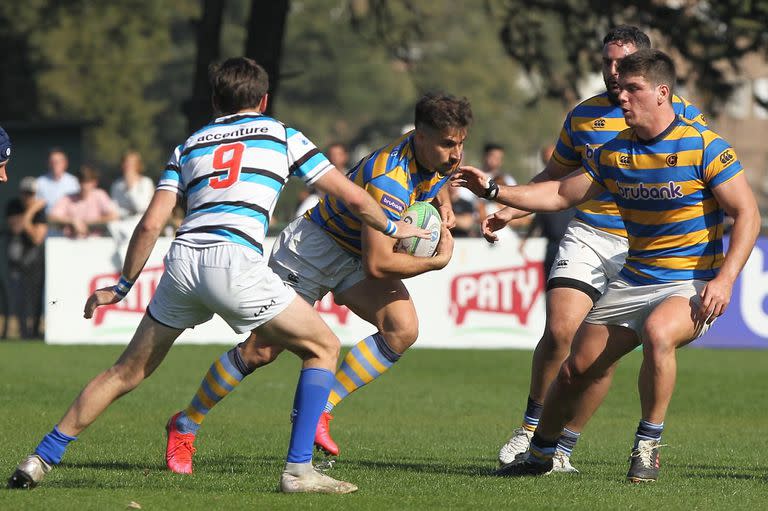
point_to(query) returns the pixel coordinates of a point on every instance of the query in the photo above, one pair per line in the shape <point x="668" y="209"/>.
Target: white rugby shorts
<point x="311" y="262"/>
<point x="587" y="259"/>
<point x="629" y="305"/>
<point x="228" y="279"/>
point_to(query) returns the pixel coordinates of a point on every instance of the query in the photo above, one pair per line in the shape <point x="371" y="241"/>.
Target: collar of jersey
<point x="238" y="114"/>
<point x="660" y="135"/>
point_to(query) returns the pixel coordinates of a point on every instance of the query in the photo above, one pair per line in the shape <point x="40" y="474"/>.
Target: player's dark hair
<point x="654" y="65"/>
<point x="492" y="146"/>
<point x="441" y="111"/>
<point x="88" y="173"/>
<point x="237" y="84"/>
<point x="628" y="34"/>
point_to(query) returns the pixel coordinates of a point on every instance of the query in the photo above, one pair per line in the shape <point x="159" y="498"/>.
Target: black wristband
<point x="491" y="191"/>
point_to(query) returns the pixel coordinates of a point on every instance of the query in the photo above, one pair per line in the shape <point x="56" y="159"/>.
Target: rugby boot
<point x="179" y="449"/>
<point x="516" y="446"/>
<point x="313" y="481"/>
<point x="644" y="462"/>
<point x="29" y="473"/>
<point x="323" y="440"/>
<point x="523" y="468"/>
<point x="561" y="462"/>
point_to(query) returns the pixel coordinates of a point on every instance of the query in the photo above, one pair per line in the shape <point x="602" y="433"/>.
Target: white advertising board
<point x="487" y="297"/>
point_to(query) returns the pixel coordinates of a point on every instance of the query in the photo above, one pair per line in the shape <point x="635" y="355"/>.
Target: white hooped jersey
<point x="231" y="173"/>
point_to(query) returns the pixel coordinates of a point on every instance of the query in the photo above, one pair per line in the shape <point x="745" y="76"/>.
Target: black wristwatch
<point x="491" y="191"/>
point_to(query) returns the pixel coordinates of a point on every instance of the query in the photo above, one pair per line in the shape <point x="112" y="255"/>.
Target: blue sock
<point x="53" y="445"/>
<point x="648" y="431"/>
<point x="311" y="395"/>
<point x="567" y="441"/>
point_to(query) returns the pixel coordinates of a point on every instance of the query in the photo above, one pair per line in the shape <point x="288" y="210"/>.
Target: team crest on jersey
<point x="598" y="123"/>
<point x="393" y="203"/>
<point x="624" y="160"/>
<point x="726" y="157"/>
<point x="672" y="160"/>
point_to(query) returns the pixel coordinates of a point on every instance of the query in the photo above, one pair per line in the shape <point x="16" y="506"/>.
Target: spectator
<point x="26" y="258"/>
<point x="57" y="183"/>
<point x="133" y="191"/>
<point x="551" y="226"/>
<point x="5" y="154"/>
<point x="86" y="212"/>
<point x="464" y="213"/>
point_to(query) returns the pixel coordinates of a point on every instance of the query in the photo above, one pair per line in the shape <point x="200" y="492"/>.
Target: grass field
<point x="424" y="437"/>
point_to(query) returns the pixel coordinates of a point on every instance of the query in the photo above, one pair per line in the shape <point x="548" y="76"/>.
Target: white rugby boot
<point x="561" y="462"/>
<point x="312" y="481"/>
<point x="29" y="473"/>
<point x="516" y="446"/>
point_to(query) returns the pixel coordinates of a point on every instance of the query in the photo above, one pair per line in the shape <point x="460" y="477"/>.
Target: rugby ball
<point x="425" y="216"/>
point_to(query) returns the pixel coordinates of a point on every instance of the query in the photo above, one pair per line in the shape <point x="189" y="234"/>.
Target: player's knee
<point x="559" y="334"/>
<point x="658" y="340"/>
<point x="125" y="377"/>
<point x="571" y="373"/>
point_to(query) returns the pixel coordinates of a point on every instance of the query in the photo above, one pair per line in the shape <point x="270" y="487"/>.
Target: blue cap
<point x="5" y="146"/>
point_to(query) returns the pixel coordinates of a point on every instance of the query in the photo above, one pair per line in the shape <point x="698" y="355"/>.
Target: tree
<point x="561" y="40"/>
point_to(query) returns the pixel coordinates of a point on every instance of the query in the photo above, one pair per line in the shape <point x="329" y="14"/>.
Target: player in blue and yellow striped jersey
<point x="673" y="180"/>
<point x="592" y="250"/>
<point x="328" y="249"/>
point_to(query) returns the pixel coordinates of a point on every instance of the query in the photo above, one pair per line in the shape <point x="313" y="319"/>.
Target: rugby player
<point x="672" y="179"/>
<point x="328" y="249"/>
<point x="591" y="252"/>
<point x="230" y="173"/>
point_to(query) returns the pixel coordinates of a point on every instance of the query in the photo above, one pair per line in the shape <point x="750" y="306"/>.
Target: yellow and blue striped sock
<point x="222" y="377"/>
<point x="366" y="361"/>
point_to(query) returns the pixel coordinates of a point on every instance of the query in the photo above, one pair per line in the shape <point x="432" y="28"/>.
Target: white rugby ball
<point x="425" y="216"/>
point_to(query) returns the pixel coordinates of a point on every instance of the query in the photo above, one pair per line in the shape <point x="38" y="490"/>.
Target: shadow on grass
<point x="425" y="466"/>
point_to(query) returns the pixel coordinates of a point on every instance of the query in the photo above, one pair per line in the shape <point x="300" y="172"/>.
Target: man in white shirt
<point x="57" y="182"/>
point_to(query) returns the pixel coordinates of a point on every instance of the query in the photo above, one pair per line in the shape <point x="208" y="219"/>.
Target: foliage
<point x="710" y="37"/>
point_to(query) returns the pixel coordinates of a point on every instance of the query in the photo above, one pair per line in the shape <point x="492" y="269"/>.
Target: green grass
<point x="424" y="437"/>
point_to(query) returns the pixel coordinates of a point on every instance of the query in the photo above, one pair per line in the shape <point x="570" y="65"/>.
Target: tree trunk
<point x="198" y="108"/>
<point x="266" y="28"/>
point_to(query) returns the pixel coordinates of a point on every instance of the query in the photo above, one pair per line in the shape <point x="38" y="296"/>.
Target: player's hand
<point x="444" y="250"/>
<point x="447" y="216"/>
<point x="471" y="178"/>
<point x="409" y="230"/>
<point x="495" y="222"/>
<point x="715" y="298"/>
<point x="103" y="296"/>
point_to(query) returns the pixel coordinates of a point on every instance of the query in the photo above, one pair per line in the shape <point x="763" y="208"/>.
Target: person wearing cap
<point x="5" y="154"/>
<point x="57" y="182"/>
<point x="26" y="258"/>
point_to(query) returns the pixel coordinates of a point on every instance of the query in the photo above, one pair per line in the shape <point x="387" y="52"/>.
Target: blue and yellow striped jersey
<point x="663" y="189"/>
<point x="589" y="125"/>
<point x="393" y="177"/>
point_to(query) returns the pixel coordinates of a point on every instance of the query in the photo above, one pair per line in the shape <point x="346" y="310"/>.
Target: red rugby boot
<point x="179" y="449"/>
<point x="323" y="440"/>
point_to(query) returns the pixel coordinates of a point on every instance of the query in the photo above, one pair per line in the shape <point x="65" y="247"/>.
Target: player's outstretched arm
<point x="542" y="197"/>
<point x="336" y="184"/>
<point x="140" y="247"/>
<point x="736" y="198"/>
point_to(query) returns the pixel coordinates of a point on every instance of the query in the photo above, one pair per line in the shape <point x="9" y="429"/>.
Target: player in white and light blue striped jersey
<point x="230" y="173"/>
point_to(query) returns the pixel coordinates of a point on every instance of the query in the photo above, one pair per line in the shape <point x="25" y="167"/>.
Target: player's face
<point x="613" y="52"/>
<point x="440" y="150"/>
<point x="3" y="175"/>
<point x="639" y="101"/>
